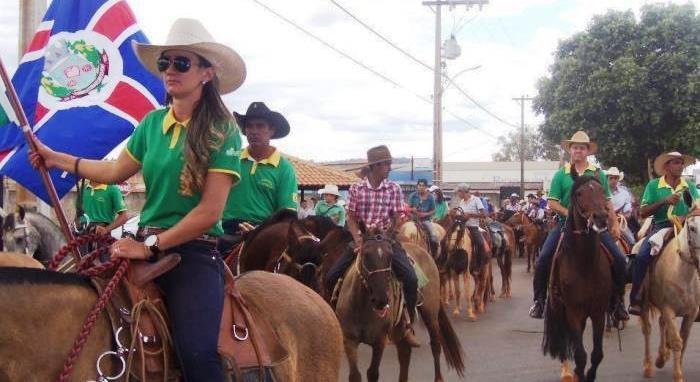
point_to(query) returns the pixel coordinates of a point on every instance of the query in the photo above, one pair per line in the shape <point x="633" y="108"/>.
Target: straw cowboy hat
<point x="613" y="171"/>
<point x="329" y="189"/>
<point x="260" y="110"/>
<point x="662" y="159"/>
<point x="190" y="35"/>
<point x="580" y="137"/>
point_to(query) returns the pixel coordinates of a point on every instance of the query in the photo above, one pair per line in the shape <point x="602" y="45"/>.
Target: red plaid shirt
<point x="374" y="206"/>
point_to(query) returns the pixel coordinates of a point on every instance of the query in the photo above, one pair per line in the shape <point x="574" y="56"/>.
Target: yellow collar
<point x="273" y="159"/>
<point x="591" y="167"/>
<point x="99" y="186"/>
<point x="168" y="122"/>
<point x="681" y="185"/>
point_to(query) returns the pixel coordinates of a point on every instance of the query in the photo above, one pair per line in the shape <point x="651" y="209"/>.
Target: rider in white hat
<point x="621" y="200"/>
<point x="329" y="205"/>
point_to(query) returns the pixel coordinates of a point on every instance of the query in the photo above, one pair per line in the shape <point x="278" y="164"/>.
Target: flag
<point x="7" y="113"/>
<point x="81" y="86"/>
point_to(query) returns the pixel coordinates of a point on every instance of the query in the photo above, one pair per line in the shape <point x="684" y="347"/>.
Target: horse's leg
<point x="468" y="295"/>
<point x="377" y="352"/>
<point x="501" y="267"/>
<point x="351" y="353"/>
<point x="404" y="353"/>
<point x="597" y="353"/>
<point x="454" y="281"/>
<point x="662" y="357"/>
<point x="566" y="374"/>
<point x="435" y="346"/>
<point x="576" y="327"/>
<point x="685" y="330"/>
<point x="675" y="342"/>
<point x="646" y="330"/>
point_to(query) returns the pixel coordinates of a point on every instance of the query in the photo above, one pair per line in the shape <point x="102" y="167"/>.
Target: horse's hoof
<point x="567" y="378"/>
<point x="455" y="312"/>
<point x="471" y="316"/>
<point x="480" y="309"/>
<point x="648" y="372"/>
<point x="660" y="362"/>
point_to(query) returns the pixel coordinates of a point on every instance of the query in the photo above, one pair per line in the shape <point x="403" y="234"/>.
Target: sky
<point x="337" y="109"/>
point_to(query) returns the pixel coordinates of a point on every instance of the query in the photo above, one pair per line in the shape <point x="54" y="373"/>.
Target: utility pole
<point x="437" y="86"/>
<point x="522" y="100"/>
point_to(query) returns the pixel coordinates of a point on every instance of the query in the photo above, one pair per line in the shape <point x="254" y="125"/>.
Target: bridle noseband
<point x="364" y="272"/>
<point x="284" y="256"/>
<point x="577" y="210"/>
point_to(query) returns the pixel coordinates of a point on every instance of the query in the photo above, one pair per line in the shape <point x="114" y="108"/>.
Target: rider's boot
<point x="409" y="335"/>
<point x="434" y="245"/>
<point x="537" y="309"/>
<point x="619" y="312"/>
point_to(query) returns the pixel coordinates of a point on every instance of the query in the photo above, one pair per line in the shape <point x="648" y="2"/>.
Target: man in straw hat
<point x="621" y="200"/>
<point x="579" y="147"/>
<point x="268" y="181"/>
<point x="662" y="197"/>
<point x="377" y="202"/>
<point x="188" y="153"/>
<point x="329" y="206"/>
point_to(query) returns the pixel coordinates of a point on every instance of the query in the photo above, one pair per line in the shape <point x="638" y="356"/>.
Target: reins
<point x="284" y="256"/>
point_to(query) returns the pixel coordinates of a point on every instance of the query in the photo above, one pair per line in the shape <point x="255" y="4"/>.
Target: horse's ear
<point x="296" y="229"/>
<point x="362" y="226"/>
<point x="21" y="212"/>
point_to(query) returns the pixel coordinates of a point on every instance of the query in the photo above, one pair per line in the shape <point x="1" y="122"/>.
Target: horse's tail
<point x="556" y="340"/>
<point x="459" y="261"/>
<point x="454" y="353"/>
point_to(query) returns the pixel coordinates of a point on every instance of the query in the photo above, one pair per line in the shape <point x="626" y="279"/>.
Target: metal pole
<point x="437" y="99"/>
<point x="522" y="100"/>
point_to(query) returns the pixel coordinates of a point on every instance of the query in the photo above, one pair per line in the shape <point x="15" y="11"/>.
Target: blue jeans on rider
<point x="544" y="261"/>
<point x="628" y="236"/>
<point x="428" y="224"/>
<point x="194" y="293"/>
<point x="400" y="265"/>
<point x="641" y="262"/>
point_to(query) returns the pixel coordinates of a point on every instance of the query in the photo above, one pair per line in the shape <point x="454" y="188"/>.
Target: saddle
<point x="248" y="345"/>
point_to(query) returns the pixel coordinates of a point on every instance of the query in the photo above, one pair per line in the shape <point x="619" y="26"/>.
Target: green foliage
<point x="632" y="85"/>
<point x="535" y="147"/>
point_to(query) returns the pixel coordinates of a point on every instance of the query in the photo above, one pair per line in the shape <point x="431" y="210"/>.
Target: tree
<point x="634" y="86"/>
<point x="535" y="147"/>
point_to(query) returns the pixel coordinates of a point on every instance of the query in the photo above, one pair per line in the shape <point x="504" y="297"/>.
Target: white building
<point x="499" y="172"/>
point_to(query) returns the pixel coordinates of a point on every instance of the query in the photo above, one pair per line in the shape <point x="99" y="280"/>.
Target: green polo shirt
<point x="325" y="209"/>
<point x="658" y="189"/>
<point x="157" y="144"/>
<point x="102" y="203"/>
<point x="440" y="211"/>
<point x="266" y="187"/>
<point x="560" y="188"/>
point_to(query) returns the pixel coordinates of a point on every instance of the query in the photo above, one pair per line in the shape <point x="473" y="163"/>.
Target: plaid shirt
<point x="374" y="206"/>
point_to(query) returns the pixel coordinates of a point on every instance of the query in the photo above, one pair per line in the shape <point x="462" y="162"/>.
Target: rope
<point x="161" y="326"/>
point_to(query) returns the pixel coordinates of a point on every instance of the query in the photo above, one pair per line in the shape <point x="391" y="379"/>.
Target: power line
<point x="360" y="63"/>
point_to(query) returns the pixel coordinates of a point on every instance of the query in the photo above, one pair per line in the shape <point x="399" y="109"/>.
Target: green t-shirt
<point x="325" y="209"/>
<point x="440" y="210"/>
<point x="560" y="188"/>
<point x="266" y="186"/>
<point x="102" y="203"/>
<point x="157" y="144"/>
<point x="658" y="189"/>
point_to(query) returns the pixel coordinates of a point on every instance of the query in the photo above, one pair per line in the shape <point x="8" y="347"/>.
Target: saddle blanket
<point x="657" y="241"/>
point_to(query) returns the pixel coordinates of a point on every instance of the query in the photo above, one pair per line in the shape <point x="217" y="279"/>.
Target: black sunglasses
<point x="181" y="63"/>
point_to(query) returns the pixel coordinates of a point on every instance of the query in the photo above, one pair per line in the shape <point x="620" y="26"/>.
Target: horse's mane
<point x="282" y="215"/>
<point x="326" y="225"/>
<point x="17" y="275"/>
<point x="9" y="222"/>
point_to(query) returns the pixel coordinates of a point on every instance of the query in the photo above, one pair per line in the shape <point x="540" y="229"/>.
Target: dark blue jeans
<point x="641" y="262"/>
<point x="194" y="294"/>
<point x="544" y="261"/>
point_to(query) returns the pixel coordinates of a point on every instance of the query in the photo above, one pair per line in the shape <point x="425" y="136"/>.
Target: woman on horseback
<point x="189" y="155"/>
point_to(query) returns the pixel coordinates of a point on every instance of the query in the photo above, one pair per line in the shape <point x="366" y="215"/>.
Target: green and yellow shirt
<point x="330" y="210"/>
<point x="102" y="203"/>
<point x="266" y="186"/>
<point x="157" y="144"/>
<point x="560" y="188"/>
<point x="440" y="211"/>
<point x="658" y="189"/>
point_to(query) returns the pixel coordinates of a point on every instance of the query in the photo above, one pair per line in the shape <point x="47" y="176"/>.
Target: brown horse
<point x="453" y="262"/>
<point x="302" y="321"/>
<point x="503" y="243"/>
<point x="531" y="235"/>
<point x="580" y="283"/>
<point x="369" y="310"/>
<point x="334" y="242"/>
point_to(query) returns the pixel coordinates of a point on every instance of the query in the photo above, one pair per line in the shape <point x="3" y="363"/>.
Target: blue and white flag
<point x="81" y="86"/>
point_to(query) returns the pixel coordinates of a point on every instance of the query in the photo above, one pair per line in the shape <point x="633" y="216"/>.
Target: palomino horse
<point x="369" y="309"/>
<point x="672" y="289"/>
<point x="531" y="235"/>
<point x="13" y="259"/>
<point x="580" y="283"/>
<point x="33" y="234"/>
<point x="301" y="320"/>
<point x="453" y="262"/>
<point x="410" y="233"/>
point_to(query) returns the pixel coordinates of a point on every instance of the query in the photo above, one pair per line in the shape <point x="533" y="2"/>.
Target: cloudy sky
<point x="337" y="108"/>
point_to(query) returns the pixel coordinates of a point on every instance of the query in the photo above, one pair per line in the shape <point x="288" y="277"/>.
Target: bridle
<point x="578" y="211"/>
<point x="24" y="227"/>
<point x="364" y="272"/>
<point x="289" y="260"/>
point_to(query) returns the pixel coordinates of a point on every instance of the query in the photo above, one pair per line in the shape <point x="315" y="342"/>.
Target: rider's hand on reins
<point x="673" y="199"/>
<point x="129" y="249"/>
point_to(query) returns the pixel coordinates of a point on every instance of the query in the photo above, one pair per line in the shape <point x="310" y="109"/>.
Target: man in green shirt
<point x="328" y="206"/>
<point x="662" y="197"/>
<point x="579" y="147"/>
<point x="103" y="207"/>
<point x="268" y="181"/>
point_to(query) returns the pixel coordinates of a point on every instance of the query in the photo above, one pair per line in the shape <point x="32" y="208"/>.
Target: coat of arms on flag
<point x="81" y="87"/>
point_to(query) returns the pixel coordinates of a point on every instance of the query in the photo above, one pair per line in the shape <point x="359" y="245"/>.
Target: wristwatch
<point x="152" y="243"/>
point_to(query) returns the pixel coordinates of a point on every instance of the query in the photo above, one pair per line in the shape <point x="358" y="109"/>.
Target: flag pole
<point x="48" y="183"/>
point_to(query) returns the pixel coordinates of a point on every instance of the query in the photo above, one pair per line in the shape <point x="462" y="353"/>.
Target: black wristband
<point x="75" y="166"/>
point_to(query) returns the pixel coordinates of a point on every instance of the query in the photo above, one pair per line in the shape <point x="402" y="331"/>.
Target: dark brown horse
<point x="531" y="233"/>
<point x="503" y="248"/>
<point x="580" y="283"/>
<point x="369" y="310"/>
<point x="34" y="348"/>
<point x="334" y="242"/>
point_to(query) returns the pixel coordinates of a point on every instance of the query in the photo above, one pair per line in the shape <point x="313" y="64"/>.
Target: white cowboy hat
<point x="190" y="35"/>
<point x="514" y="195"/>
<point x="329" y="189"/>
<point x="662" y="159"/>
<point x="580" y="137"/>
<point x="433" y="188"/>
<point x="613" y="171"/>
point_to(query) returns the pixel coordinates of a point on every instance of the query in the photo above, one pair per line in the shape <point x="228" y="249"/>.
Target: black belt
<point x="146" y="231"/>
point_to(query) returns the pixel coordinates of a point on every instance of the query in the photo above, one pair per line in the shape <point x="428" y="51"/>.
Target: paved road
<point x="504" y="345"/>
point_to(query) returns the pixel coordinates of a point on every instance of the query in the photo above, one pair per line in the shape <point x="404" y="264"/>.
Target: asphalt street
<point x="504" y="345"/>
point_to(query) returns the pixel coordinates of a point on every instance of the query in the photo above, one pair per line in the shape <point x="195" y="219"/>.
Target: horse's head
<point x="303" y="256"/>
<point x="18" y="235"/>
<point x="375" y="269"/>
<point x="692" y="230"/>
<point x="588" y="203"/>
